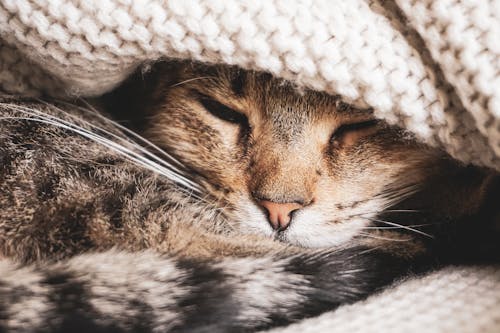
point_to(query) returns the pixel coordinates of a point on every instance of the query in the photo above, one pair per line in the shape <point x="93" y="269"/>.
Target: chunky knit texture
<point x="458" y="299"/>
<point x="430" y="66"/>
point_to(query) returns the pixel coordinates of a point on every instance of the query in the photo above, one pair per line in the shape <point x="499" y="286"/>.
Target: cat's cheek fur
<point x="310" y="229"/>
<point x="251" y="219"/>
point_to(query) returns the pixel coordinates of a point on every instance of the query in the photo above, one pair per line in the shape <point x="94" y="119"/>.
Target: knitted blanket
<point x="456" y="299"/>
<point x="430" y="66"/>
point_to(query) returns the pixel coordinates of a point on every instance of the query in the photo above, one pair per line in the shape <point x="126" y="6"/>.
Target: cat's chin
<point x="308" y="228"/>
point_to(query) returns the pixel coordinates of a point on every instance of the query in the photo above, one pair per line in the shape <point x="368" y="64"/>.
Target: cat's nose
<point x="279" y="214"/>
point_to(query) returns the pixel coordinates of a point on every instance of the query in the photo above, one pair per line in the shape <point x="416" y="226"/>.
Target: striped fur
<point x="118" y="291"/>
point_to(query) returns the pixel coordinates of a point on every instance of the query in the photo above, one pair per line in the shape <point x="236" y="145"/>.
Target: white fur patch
<point x="312" y="229"/>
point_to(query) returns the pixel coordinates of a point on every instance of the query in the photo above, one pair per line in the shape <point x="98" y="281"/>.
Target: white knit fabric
<point x="458" y="300"/>
<point x="430" y="66"/>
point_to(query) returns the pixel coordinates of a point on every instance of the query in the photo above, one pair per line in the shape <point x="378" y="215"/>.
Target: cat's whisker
<point x="142" y="140"/>
<point x="368" y="235"/>
<point x="191" y="80"/>
<point x="396" y="195"/>
<point x="123" y="139"/>
<point x="402" y="211"/>
<point x="55" y="121"/>
<point x="382" y="211"/>
<point x="397" y="227"/>
<point x="400" y="226"/>
<point x="131" y="155"/>
<point x="218" y="211"/>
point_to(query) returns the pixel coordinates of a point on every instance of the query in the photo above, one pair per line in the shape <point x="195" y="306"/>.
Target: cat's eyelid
<point x="221" y="110"/>
<point x="353" y="126"/>
<point x="358" y="122"/>
<point x="199" y="95"/>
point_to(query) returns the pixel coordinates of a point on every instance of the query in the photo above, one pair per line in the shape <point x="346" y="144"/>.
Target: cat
<point x="262" y="204"/>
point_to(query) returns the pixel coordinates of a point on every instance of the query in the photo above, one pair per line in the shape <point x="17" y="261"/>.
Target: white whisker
<point x="384" y="238"/>
<point x="402" y="211"/>
<point x="400" y="226"/>
<point x="124" y="151"/>
<point x="129" y="132"/>
<point x="123" y="139"/>
<point x="397" y="227"/>
<point x="190" y="80"/>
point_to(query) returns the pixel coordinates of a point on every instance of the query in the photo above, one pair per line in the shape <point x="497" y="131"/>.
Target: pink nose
<point x="279" y="213"/>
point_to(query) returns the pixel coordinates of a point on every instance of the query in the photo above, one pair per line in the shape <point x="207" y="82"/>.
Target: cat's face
<point x="301" y="167"/>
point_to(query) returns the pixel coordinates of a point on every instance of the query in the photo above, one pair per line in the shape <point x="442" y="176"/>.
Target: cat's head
<point x="301" y="166"/>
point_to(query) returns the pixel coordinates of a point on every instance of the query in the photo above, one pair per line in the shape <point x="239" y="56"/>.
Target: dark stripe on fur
<point x="209" y="306"/>
<point x="4" y="305"/>
<point x="238" y="83"/>
<point x="341" y="277"/>
<point x="72" y="311"/>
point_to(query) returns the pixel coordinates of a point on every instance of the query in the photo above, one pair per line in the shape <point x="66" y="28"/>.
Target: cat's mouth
<point x="280" y="236"/>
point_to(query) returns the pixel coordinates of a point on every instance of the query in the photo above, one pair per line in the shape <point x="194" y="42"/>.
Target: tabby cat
<point x="256" y="204"/>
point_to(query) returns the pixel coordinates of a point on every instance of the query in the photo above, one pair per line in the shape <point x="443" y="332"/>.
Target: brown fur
<point x="288" y="152"/>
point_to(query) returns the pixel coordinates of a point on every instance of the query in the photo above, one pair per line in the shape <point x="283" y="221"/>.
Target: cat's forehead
<point x="273" y="106"/>
<point x="274" y="98"/>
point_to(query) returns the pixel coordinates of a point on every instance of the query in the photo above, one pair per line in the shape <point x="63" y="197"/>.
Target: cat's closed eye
<point x="222" y="111"/>
<point x="349" y="134"/>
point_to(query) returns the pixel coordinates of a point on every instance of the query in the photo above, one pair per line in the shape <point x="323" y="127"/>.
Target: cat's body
<point x="232" y="251"/>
